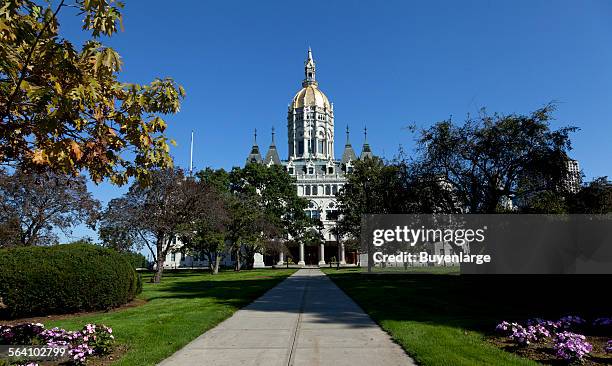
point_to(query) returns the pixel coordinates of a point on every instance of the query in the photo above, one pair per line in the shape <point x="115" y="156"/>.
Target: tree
<point x="594" y="198"/>
<point x="62" y="108"/>
<point x="494" y="157"/>
<point x="34" y="205"/>
<point x="157" y="214"/>
<point x="208" y="234"/>
<point x="373" y="187"/>
<point x="266" y="209"/>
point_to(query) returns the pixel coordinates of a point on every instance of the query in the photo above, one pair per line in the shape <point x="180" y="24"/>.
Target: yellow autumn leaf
<point x="76" y="150"/>
<point x="39" y="157"/>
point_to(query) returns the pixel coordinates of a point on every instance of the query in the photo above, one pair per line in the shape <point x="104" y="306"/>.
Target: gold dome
<point x="310" y="95"/>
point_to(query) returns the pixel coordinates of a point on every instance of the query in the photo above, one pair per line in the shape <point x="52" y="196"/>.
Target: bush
<point x="64" y="279"/>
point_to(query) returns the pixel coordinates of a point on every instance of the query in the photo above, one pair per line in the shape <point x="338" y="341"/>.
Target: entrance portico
<point x="312" y="255"/>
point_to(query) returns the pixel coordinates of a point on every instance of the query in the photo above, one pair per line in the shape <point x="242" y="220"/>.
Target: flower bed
<point x="91" y="341"/>
<point x="571" y="339"/>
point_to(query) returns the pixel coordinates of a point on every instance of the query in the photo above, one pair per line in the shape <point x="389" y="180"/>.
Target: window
<point x="349" y="169"/>
<point x="307" y="191"/>
<point x="334" y="189"/>
<point x="313" y="214"/>
<point x="330" y="170"/>
<point x="290" y="170"/>
<point x="320" y="146"/>
<point x="173" y="257"/>
<point x="315" y="191"/>
<point x="300" y="147"/>
<point x="327" y="190"/>
<point x="310" y="170"/>
<point x="331" y="214"/>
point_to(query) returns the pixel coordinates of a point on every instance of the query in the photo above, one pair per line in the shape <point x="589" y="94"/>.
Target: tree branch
<point x="28" y="59"/>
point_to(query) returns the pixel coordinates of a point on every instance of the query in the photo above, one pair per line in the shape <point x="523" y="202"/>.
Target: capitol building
<point x="318" y="173"/>
<point x="312" y="161"/>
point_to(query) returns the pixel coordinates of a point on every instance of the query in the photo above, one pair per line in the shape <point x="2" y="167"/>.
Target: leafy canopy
<point x="63" y="107"/>
<point x="33" y="207"/>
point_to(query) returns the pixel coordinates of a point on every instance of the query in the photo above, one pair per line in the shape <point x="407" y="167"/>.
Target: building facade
<point x="312" y="161"/>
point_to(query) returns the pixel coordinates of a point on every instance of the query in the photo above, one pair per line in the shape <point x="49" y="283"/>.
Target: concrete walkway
<point x="305" y="320"/>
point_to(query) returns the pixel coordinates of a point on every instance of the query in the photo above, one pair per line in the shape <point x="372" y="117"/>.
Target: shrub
<point x="64" y="279"/>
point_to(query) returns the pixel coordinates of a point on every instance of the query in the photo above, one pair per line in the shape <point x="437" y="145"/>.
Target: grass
<point x="182" y="307"/>
<point x="446" y="319"/>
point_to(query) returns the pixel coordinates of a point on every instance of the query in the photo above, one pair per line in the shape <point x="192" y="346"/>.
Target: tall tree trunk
<point x="160" y="261"/>
<point x="211" y="266"/>
<point x="158" y="271"/>
<point x="237" y="266"/>
<point x="217" y="260"/>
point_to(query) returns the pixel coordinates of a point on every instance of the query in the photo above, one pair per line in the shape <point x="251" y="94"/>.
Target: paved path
<point x="305" y="320"/>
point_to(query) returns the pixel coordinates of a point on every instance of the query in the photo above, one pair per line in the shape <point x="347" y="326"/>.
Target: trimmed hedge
<point x="65" y="279"/>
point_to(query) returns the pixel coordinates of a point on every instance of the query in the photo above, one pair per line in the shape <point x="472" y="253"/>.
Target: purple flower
<point x="91" y="340"/>
<point x="571" y="346"/>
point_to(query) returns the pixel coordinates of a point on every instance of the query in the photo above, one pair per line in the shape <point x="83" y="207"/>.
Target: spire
<point x="366" y="151"/>
<point x="309" y="70"/>
<point x="272" y="154"/>
<point x="254" y="156"/>
<point x="349" y="153"/>
<point x="347" y="135"/>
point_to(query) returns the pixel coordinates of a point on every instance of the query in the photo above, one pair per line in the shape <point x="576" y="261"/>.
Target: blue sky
<point x="383" y="65"/>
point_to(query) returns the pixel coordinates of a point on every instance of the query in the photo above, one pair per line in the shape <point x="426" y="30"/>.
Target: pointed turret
<point x="310" y="70"/>
<point x="349" y="153"/>
<point x="254" y="156"/>
<point x="272" y="154"/>
<point x="366" y="152"/>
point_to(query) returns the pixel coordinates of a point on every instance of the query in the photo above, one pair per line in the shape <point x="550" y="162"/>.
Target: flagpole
<point x="191" y="156"/>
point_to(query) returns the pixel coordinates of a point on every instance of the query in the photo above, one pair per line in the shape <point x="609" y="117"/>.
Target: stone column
<point x="281" y="259"/>
<point x="341" y="256"/>
<point x="322" y="255"/>
<point x="301" y="262"/>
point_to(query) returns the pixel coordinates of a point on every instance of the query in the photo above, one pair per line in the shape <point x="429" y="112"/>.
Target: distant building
<point x="573" y="179"/>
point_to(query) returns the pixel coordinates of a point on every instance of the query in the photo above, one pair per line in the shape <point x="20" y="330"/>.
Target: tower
<point x="310" y="119"/>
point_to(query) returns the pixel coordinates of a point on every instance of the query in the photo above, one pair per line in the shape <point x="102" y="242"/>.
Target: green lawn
<point x="182" y="307"/>
<point x="443" y="319"/>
